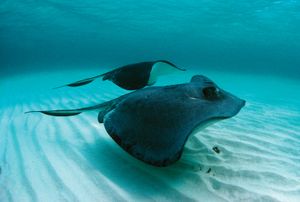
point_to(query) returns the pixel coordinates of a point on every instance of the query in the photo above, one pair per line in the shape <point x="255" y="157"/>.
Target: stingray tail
<point x="103" y="107"/>
<point x="81" y="82"/>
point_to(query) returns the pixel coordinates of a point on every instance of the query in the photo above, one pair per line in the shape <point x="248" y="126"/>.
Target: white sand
<point x="46" y="158"/>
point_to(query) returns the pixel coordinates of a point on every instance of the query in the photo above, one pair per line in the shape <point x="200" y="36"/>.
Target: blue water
<point x="259" y="36"/>
<point x="249" y="48"/>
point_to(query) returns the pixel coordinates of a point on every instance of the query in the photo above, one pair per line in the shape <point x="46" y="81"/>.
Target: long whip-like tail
<point x="106" y="106"/>
<point x="81" y="82"/>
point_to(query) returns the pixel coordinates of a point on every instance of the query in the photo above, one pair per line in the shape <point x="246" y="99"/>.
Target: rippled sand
<point x="46" y="158"/>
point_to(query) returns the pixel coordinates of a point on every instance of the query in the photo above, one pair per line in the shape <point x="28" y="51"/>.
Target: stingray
<point x="133" y="76"/>
<point x="153" y="124"/>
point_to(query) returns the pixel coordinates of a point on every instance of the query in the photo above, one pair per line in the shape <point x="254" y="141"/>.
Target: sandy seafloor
<point x="46" y="158"/>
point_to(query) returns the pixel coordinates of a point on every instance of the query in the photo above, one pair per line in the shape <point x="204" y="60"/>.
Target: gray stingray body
<point x="153" y="124"/>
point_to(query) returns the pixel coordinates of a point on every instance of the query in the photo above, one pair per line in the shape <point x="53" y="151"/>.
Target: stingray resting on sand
<point x="154" y="123"/>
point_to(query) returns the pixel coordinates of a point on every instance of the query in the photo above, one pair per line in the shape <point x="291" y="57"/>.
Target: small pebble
<point x="216" y="149"/>
<point x="208" y="171"/>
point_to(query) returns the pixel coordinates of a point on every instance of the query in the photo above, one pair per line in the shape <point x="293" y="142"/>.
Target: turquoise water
<point x="259" y="36"/>
<point x="248" y="48"/>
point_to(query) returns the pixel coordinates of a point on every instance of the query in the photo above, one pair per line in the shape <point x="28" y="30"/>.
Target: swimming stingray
<point x="153" y="124"/>
<point x="133" y="76"/>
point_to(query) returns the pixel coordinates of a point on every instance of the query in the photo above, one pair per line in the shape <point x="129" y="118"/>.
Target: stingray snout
<point x="243" y="103"/>
<point x="239" y="105"/>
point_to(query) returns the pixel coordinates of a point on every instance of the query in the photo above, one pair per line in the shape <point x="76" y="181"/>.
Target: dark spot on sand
<point x="216" y="149"/>
<point x="208" y="171"/>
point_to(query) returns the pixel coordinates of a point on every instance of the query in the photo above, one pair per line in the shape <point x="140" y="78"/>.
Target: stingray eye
<point x="211" y="92"/>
